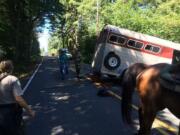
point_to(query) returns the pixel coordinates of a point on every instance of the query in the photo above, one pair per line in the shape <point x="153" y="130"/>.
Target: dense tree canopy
<point x="19" y="20"/>
<point x="85" y="18"/>
<point x="77" y="23"/>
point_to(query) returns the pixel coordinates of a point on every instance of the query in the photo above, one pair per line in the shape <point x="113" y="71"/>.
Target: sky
<point x="43" y="39"/>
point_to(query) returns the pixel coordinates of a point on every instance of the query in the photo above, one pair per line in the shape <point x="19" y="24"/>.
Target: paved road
<point x="70" y="107"/>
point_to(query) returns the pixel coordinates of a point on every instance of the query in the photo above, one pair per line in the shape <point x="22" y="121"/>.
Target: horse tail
<point x="122" y="76"/>
<point x="128" y="86"/>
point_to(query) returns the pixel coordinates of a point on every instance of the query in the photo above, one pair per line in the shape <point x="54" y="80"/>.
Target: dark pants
<point x="78" y="68"/>
<point x="63" y="66"/>
<point x="10" y="119"/>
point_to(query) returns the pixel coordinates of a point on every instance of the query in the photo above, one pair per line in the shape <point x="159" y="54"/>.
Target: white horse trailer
<point x="118" y="48"/>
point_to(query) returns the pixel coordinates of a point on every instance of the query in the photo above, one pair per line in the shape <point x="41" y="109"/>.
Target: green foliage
<point x="19" y="20"/>
<point x="35" y="50"/>
<point x="169" y="17"/>
<point x="163" y="21"/>
<point x="87" y="48"/>
<point x="160" y="18"/>
<point x="75" y="23"/>
<point x="54" y="42"/>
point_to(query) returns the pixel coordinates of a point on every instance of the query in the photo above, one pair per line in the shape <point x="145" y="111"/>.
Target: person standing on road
<point x="11" y="101"/>
<point x="63" y="62"/>
<point x="78" y="63"/>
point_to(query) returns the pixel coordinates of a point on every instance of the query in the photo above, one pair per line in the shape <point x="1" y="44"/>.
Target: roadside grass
<point x="25" y="70"/>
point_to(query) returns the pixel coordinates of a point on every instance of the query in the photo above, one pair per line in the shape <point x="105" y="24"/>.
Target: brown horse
<point x="153" y="95"/>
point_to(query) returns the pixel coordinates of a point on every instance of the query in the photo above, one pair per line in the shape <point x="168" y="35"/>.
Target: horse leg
<point x="141" y="123"/>
<point x="146" y="118"/>
<point x="142" y="128"/>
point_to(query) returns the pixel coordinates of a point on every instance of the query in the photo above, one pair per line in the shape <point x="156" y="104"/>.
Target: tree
<point x="20" y="19"/>
<point x="79" y="21"/>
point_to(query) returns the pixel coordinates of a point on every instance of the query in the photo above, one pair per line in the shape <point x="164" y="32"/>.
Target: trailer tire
<point x="112" y="61"/>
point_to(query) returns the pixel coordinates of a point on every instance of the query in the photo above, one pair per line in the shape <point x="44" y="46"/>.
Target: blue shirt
<point x="63" y="58"/>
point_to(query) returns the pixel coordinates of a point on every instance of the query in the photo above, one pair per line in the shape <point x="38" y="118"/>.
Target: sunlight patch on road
<point x="56" y="130"/>
<point x="78" y="109"/>
<point x="61" y="98"/>
<point x="97" y="84"/>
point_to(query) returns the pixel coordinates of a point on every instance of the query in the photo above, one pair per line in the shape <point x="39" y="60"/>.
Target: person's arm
<point x="18" y="92"/>
<point x="20" y="100"/>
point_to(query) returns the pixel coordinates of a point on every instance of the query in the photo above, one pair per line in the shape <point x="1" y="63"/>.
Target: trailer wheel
<point x="112" y="61"/>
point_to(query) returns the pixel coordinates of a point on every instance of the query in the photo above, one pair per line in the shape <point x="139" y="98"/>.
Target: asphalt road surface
<point x="71" y="107"/>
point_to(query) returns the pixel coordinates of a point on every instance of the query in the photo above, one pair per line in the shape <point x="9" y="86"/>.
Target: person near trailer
<point x="11" y="101"/>
<point x="78" y="63"/>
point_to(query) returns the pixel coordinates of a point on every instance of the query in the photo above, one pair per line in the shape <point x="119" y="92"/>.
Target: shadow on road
<point x="70" y="107"/>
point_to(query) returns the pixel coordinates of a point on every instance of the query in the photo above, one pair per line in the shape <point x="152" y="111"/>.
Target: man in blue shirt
<point x="63" y="61"/>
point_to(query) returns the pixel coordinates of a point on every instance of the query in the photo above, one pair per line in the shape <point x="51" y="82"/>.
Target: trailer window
<point x="135" y="44"/>
<point x="117" y="39"/>
<point x="152" y="48"/>
<point x="131" y="43"/>
<point x="139" y="45"/>
<point x="113" y="38"/>
<point x="121" y="40"/>
<point x="156" y="49"/>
